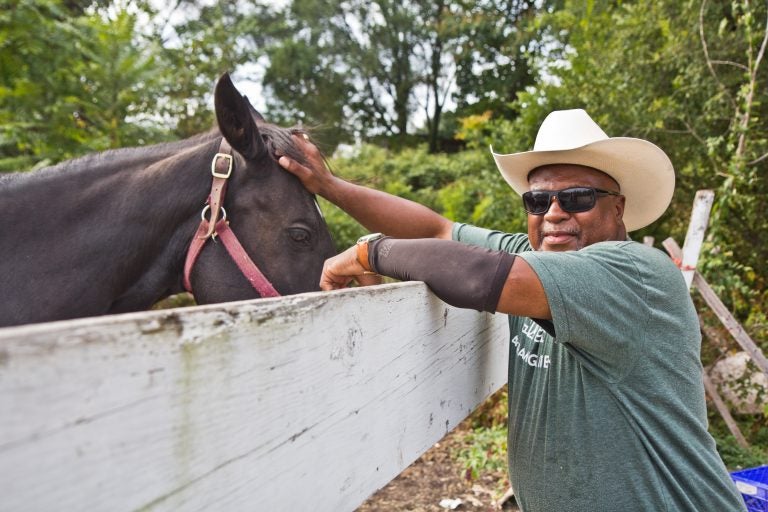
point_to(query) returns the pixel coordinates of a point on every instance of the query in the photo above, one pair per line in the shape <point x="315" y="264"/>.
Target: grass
<point x="484" y="450"/>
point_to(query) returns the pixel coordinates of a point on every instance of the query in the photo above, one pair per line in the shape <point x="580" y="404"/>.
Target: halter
<point x="221" y="169"/>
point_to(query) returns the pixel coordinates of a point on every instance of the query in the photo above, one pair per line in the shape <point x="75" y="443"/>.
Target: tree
<point x="74" y="90"/>
<point x="360" y="50"/>
<point x="210" y="39"/>
<point x="377" y="67"/>
<point x="498" y="40"/>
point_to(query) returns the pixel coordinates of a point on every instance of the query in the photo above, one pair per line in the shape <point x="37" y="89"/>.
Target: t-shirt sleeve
<point x="597" y="297"/>
<point x="497" y="240"/>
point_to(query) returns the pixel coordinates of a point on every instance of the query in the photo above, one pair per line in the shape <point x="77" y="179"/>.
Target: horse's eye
<point x="300" y="235"/>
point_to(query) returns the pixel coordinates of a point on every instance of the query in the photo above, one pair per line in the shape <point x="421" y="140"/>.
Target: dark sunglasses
<point x="571" y="200"/>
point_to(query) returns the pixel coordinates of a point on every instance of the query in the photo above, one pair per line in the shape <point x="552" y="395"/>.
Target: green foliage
<point x="74" y="90"/>
<point x="484" y="451"/>
<point x="112" y="74"/>
<point x="755" y="429"/>
<point x="308" y="89"/>
<point x="494" y="58"/>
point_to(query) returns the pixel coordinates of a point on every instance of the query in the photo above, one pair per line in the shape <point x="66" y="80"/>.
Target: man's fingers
<point x="311" y="152"/>
<point x="305" y="175"/>
<point x="289" y="165"/>
<point x="368" y="279"/>
<point x="331" y="281"/>
<point x="341" y="269"/>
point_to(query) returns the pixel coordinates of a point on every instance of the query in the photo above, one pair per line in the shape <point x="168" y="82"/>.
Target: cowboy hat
<point x="642" y="170"/>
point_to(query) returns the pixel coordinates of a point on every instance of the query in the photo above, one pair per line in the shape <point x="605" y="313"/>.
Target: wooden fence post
<point x="702" y="205"/>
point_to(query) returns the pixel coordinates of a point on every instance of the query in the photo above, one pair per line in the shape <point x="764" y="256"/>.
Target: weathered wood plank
<point x="719" y="404"/>
<point x="310" y="402"/>
<point x="730" y="323"/>
<point x="694" y="238"/>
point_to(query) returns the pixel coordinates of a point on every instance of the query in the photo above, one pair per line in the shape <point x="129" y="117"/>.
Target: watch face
<point x="369" y="238"/>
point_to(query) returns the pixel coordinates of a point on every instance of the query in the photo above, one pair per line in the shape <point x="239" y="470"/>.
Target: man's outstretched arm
<point x="461" y="275"/>
<point x="377" y="211"/>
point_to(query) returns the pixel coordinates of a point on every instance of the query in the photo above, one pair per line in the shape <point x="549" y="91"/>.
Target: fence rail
<point x="309" y="402"/>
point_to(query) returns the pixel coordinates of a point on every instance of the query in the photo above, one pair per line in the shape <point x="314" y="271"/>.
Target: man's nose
<point x="555" y="212"/>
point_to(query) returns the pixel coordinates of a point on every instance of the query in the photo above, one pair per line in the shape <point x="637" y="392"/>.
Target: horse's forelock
<point x="280" y="141"/>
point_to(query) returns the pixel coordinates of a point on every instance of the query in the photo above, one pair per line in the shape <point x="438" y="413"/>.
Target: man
<point x="606" y="403"/>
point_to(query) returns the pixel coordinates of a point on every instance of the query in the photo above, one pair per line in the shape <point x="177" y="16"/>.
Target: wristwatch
<point x="362" y="249"/>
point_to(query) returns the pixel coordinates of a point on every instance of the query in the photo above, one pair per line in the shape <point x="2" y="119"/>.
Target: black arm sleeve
<point x="462" y="275"/>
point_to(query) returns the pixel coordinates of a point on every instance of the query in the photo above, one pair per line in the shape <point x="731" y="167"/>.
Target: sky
<point x="247" y="78"/>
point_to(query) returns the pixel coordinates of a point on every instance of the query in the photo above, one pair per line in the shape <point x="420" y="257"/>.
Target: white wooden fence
<point x="310" y="402"/>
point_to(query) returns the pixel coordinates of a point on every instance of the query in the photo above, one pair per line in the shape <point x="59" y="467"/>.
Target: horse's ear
<point x="253" y="110"/>
<point x="235" y="120"/>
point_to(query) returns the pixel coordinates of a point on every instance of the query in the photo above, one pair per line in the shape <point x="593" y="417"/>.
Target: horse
<point x="117" y="231"/>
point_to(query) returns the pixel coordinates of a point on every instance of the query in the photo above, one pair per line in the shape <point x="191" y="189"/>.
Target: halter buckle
<point x="214" y="165"/>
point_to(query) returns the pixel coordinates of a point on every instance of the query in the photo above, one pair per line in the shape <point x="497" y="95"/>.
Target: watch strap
<point x="363" y="257"/>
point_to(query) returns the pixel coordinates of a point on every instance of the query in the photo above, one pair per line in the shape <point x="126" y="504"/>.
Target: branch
<point x="750" y="95"/>
<point x="731" y="63"/>
<point x="761" y="53"/>
<point x="707" y="59"/>
<point x="758" y="160"/>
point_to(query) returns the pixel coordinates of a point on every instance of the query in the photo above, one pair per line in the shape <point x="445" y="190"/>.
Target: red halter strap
<point x="221" y="169"/>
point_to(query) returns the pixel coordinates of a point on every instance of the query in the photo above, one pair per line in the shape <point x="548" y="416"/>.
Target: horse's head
<point x="276" y="220"/>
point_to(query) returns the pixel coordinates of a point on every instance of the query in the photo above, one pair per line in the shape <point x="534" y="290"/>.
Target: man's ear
<point x="236" y="123"/>
<point x="619" y="204"/>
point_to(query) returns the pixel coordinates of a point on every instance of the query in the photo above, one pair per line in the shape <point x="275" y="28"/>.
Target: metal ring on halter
<point x="208" y="207"/>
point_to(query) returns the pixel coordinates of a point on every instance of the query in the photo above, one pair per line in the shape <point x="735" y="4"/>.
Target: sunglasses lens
<point x="537" y="202"/>
<point x="574" y="200"/>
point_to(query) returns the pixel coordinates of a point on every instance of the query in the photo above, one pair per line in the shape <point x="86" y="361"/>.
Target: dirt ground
<point x="437" y="478"/>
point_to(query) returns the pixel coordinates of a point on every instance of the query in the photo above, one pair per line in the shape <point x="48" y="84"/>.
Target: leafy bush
<point x="754" y="428"/>
<point x="465" y="187"/>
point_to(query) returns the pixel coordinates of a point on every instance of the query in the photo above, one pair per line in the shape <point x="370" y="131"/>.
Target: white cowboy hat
<point x="642" y="170"/>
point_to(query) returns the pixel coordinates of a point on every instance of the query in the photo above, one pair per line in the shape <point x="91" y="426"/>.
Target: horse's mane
<point x="277" y="139"/>
<point x="122" y="156"/>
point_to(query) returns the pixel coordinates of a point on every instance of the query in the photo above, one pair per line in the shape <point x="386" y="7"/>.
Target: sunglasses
<point x="571" y="200"/>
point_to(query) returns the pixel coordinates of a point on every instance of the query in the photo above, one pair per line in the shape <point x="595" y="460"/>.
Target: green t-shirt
<point x="609" y="414"/>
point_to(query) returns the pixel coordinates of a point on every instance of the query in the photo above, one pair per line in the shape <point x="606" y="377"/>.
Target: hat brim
<point x="643" y="171"/>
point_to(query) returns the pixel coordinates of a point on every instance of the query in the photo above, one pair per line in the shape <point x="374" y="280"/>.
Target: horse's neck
<point x="111" y="183"/>
<point x="125" y="216"/>
<point x="110" y="161"/>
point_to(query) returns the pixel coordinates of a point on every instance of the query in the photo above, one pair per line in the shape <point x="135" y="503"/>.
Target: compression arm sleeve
<point x="462" y="275"/>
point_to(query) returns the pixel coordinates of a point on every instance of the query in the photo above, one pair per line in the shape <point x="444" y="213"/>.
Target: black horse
<point x="110" y="232"/>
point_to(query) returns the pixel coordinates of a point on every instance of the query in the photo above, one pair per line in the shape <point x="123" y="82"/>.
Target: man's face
<point x="558" y="230"/>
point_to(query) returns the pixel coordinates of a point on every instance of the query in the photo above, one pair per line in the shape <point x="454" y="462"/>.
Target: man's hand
<point x="377" y="211"/>
<point x="315" y="176"/>
<point x="344" y="268"/>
